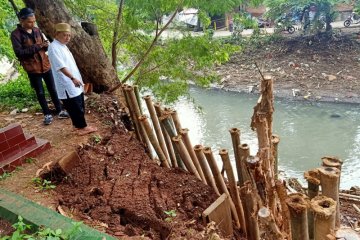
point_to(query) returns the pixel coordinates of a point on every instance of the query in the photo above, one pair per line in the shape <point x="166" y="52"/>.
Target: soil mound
<point x="117" y="184"/>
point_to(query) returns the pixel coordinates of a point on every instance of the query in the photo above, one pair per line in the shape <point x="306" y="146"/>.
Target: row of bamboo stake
<point x="258" y="199"/>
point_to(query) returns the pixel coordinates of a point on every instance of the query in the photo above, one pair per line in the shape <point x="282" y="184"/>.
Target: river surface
<point x="308" y="131"/>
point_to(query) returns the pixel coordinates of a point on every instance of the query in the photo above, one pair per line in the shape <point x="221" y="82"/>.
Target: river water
<point x="308" y="131"/>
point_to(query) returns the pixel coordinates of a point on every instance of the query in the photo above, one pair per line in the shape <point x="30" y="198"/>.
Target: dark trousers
<point x="76" y="109"/>
<point x="36" y="83"/>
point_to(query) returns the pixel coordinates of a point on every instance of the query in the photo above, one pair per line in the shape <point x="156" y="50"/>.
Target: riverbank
<point x="312" y="69"/>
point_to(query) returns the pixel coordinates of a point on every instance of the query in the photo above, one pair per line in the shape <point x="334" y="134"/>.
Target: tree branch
<point x="15" y="8"/>
<point x="116" y="35"/>
<point x="147" y="51"/>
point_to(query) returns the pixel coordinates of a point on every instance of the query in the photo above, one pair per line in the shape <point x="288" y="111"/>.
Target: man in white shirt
<point x="68" y="81"/>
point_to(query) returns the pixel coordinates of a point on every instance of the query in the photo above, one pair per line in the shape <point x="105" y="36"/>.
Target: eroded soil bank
<point x="311" y="68"/>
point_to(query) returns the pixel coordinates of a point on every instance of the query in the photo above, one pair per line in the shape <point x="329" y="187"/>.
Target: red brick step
<point x="16" y="147"/>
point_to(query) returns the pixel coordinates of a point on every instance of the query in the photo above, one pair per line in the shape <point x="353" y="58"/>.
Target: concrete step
<point x="16" y="147"/>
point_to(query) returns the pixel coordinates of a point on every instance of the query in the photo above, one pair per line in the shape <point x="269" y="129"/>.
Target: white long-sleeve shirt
<point x="60" y="57"/>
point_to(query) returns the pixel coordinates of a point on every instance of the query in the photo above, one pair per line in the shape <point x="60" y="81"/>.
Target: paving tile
<point x="16" y="140"/>
<point x="14" y="131"/>
<point x="27" y="143"/>
<point x="12" y="151"/>
<point x="2" y="137"/>
<point x="4" y="146"/>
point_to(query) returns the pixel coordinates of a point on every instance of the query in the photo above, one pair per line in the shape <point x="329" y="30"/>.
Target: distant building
<point x="344" y="11"/>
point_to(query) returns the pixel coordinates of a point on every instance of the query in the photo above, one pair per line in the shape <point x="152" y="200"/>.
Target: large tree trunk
<point x="85" y="45"/>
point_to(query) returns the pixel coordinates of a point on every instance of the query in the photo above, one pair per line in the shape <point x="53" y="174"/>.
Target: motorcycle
<point x="284" y="24"/>
<point x="352" y="19"/>
<point x="279" y="27"/>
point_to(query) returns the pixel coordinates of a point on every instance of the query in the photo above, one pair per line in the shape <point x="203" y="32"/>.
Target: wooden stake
<point x="298" y="205"/>
<point x="250" y="210"/>
<point x="261" y="122"/>
<point x="156" y="124"/>
<point x="150" y="134"/>
<point x="235" y="138"/>
<point x="189" y="147"/>
<point x="267" y="218"/>
<point x="324" y="209"/>
<point x="331" y="161"/>
<point x="133" y="102"/>
<point x="312" y="177"/>
<point x="275" y="139"/>
<point x="329" y="179"/>
<point x="253" y="164"/>
<point x="233" y="187"/>
<point x="244" y="152"/>
<point x="219" y="212"/>
<point x="282" y="194"/>
<point x="185" y="155"/>
<point x="169" y="144"/>
<point x="204" y="166"/>
<point x="220" y="182"/>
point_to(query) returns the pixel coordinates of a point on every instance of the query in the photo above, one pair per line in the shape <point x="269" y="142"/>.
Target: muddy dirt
<point x="115" y="187"/>
<point x="311" y="68"/>
<point x="118" y="184"/>
<point x="5" y="228"/>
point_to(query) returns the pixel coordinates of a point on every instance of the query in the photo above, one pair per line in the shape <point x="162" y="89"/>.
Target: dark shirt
<point x="28" y="50"/>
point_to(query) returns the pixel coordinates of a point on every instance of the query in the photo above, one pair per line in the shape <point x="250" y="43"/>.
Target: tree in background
<point x="324" y="9"/>
<point x="131" y="32"/>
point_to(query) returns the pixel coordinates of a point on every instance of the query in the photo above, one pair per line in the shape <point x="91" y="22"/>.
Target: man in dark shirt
<point x="30" y="46"/>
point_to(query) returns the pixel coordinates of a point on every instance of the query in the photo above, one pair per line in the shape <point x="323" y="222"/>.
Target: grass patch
<point x="17" y="94"/>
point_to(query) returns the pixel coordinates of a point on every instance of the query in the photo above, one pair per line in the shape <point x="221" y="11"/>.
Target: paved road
<point x="246" y="32"/>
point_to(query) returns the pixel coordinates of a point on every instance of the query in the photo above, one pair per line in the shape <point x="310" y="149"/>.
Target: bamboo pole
<point x="275" y="139"/>
<point x="261" y="122"/>
<point x="220" y="182"/>
<point x="254" y="166"/>
<point x="137" y="94"/>
<point x="324" y="209"/>
<point x="244" y="152"/>
<point x="168" y="142"/>
<point x="234" y="192"/>
<point x="235" y="138"/>
<point x="185" y="155"/>
<point x="250" y="210"/>
<point x="204" y="166"/>
<point x="132" y="114"/>
<point x="156" y="124"/>
<point x="331" y="161"/>
<point x="165" y="121"/>
<point x="298" y="205"/>
<point x="312" y="177"/>
<point x="285" y="214"/>
<point x="176" y="120"/>
<point x="267" y="219"/>
<point x="150" y="134"/>
<point x="329" y="179"/>
<point x="189" y="147"/>
<point x="135" y="107"/>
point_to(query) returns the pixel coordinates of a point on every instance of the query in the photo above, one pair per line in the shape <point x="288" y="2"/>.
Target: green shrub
<point x="26" y="231"/>
<point x="17" y="94"/>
